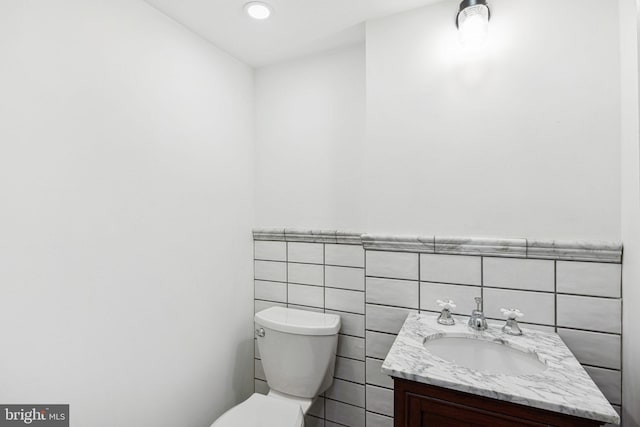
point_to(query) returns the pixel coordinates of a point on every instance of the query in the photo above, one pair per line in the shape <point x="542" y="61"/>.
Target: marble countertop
<point x="564" y="386"/>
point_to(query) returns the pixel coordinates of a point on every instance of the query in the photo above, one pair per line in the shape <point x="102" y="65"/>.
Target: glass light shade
<point x="473" y="24"/>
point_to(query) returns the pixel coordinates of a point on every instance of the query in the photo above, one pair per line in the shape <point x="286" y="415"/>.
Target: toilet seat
<point x="262" y="411"/>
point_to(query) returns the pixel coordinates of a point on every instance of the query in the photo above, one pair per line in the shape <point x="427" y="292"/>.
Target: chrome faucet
<point x="477" y="321"/>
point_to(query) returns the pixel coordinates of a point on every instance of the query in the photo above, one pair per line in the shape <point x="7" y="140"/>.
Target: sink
<point x="486" y="356"/>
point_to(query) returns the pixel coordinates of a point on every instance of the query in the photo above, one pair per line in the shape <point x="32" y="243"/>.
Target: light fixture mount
<point x="471" y="3"/>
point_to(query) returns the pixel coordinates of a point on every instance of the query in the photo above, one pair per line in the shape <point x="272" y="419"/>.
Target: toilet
<point x="298" y="352"/>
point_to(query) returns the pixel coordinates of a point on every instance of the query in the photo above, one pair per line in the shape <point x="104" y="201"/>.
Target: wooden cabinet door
<point x="422" y="405"/>
<point x="430" y="412"/>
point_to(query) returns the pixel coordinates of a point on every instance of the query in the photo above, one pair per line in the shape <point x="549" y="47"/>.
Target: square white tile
<point x="270" y="270"/>
<point x="592" y="313"/>
<point x="344" y="277"/>
<point x="312" y="296"/>
<point x="380" y="400"/>
<point x="270" y="251"/>
<point x="460" y="269"/>
<point x="306" y="274"/>
<point x="305" y="252"/>
<point x="462" y="295"/>
<point x="395" y="265"/>
<point x="526" y="274"/>
<point x="344" y="255"/>
<point x="342" y="300"/>
<point x="378" y="345"/>
<point x="593" y="348"/>
<point x="538" y="307"/>
<point x="382" y="318"/>
<point x="270" y="291"/>
<point x="401" y="293"/>
<point x="589" y="278"/>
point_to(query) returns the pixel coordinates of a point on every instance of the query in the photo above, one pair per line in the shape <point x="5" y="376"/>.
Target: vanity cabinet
<point x="422" y="405"/>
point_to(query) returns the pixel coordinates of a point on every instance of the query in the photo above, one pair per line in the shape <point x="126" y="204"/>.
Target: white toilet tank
<point x="298" y="350"/>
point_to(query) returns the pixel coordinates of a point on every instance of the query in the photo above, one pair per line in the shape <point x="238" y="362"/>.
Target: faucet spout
<point x="477" y="321"/>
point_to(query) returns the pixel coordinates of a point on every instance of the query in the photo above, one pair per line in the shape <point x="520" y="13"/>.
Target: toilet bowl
<point x="298" y="352"/>
<point x="264" y="411"/>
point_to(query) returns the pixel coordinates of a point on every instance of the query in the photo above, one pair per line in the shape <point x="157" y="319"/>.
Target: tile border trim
<point x="608" y="252"/>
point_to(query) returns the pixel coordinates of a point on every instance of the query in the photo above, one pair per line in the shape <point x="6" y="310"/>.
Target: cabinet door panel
<point x="437" y="413"/>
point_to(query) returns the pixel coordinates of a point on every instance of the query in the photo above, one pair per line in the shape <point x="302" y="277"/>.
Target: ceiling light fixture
<point x="258" y="10"/>
<point x="473" y="22"/>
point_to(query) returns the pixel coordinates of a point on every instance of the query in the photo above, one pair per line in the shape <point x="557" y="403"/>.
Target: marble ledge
<point x="605" y="252"/>
<point x="575" y="251"/>
<point x="309" y="236"/>
<point x="399" y="244"/>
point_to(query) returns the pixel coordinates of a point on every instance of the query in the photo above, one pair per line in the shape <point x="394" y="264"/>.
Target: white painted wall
<point x="126" y="184"/>
<point x="630" y="179"/>
<point x="519" y="140"/>
<point x="310" y="124"/>
<point x="456" y="143"/>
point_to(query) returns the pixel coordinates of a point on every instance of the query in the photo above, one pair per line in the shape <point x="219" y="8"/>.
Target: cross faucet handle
<point x="447" y="303"/>
<point x="512" y="313"/>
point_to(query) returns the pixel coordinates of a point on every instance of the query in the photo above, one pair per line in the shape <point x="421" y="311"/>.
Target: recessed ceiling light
<point x="258" y="10"/>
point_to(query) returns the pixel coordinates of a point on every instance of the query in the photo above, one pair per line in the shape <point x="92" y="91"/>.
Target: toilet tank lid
<point x="298" y="322"/>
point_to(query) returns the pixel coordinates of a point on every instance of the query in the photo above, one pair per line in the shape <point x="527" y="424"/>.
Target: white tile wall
<point x="270" y="251"/>
<point x="382" y="318"/>
<point x="347" y="392"/>
<point x="593" y="348"/>
<point x="270" y="291"/>
<point x="595" y="314"/>
<point x="538" y="307"/>
<point x="351" y="347"/>
<point x="465" y="270"/>
<point x="312" y="296"/>
<point x="344" y="277"/>
<point x="352" y="324"/>
<point x="269" y="270"/>
<point x="345" y="414"/>
<point x="378" y="344"/>
<point x="609" y="381"/>
<point x="350" y="370"/>
<point x="343" y="300"/>
<point x="344" y="255"/>
<point x="373" y="302"/>
<point x="380" y="400"/>
<point x="589" y="278"/>
<point x="307" y="274"/>
<point x="397" y="265"/>
<point x="527" y="274"/>
<point x="306" y="252"/>
<point x="401" y="293"/>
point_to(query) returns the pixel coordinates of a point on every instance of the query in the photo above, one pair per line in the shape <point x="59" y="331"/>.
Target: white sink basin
<point x="486" y="356"/>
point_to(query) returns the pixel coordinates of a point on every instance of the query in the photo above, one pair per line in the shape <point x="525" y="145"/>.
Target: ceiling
<point x="297" y="27"/>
